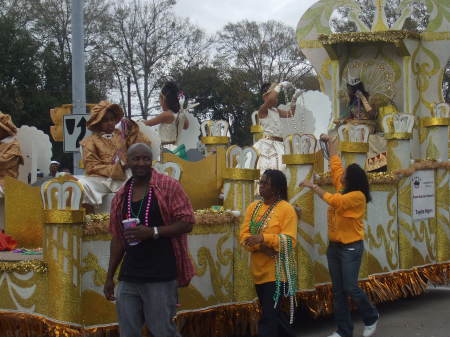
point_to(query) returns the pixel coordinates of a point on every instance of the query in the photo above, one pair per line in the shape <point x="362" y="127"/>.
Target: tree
<point x="143" y="39"/>
<point x="417" y="22"/>
<point x="220" y="96"/>
<point x="264" y="51"/>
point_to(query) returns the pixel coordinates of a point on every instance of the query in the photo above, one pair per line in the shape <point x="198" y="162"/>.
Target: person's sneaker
<point x="369" y="330"/>
<point x="335" y="334"/>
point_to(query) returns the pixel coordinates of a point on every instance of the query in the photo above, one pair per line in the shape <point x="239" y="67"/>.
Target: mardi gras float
<point x="402" y="127"/>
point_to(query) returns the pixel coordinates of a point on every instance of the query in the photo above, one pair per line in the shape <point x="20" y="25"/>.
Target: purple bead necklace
<point x="147" y="208"/>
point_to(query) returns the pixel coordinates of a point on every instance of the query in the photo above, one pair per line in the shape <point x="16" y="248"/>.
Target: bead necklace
<point x="257" y="226"/>
<point x="147" y="208"/>
<point x="286" y="273"/>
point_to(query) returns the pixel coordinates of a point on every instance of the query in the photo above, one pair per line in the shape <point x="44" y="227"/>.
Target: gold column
<point x="354" y="153"/>
<point x="214" y="143"/>
<point x="399" y="157"/>
<point x="437" y="149"/>
<point x="239" y="192"/>
<point x="298" y="168"/>
<point x="257" y="132"/>
<point x="62" y="252"/>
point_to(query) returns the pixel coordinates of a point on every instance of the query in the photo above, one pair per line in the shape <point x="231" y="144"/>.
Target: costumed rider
<point x="10" y="154"/>
<point x="362" y="108"/>
<point x="104" y="152"/>
<point x="172" y="120"/>
<point x="270" y="146"/>
<point x="358" y="107"/>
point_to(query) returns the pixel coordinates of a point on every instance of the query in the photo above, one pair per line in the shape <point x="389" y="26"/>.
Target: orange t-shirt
<point x="346" y="211"/>
<point x="282" y="220"/>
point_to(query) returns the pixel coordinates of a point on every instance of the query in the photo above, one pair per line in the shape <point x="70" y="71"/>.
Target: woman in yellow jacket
<point x="346" y="212"/>
<point x="269" y="232"/>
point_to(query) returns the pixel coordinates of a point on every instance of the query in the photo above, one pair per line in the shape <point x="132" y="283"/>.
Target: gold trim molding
<point x="435" y="121"/>
<point x="299" y="159"/>
<point x="398" y="135"/>
<point x="215" y="140"/>
<point x="56" y="216"/>
<point x="241" y="174"/>
<point x="256" y="129"/>
<point x="353" y="147"/>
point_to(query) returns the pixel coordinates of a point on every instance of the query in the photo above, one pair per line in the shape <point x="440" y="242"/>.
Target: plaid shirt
<point x="174" y="206"/>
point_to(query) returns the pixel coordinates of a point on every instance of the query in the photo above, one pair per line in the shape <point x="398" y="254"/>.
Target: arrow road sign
<point x="74" y="131"/>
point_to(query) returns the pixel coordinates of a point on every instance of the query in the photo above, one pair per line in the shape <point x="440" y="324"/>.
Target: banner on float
<point x="423" y="194"/>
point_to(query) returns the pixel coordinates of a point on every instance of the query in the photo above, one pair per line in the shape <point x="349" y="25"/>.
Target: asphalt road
<point x="427" y="315"/>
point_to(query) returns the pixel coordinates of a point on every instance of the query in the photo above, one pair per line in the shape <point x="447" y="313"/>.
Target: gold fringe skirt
<point x="239" y="319"/>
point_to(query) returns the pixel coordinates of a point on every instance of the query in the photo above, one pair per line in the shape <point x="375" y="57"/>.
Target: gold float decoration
<point x="299" y="159"/>
<point x="239" y="318"/>
<point x="380" y="288"/>
<point x="241" y="174"/>
<point x="96" y="224"/>
<point x="210" y="217"/>
<point x="435" y="121"/>
<point x="55" y="216"/>
<point x="398" y="135"/>
<point x="380" y="178"/>
<point x="353" y="147"/>
<point x="427" y="164"/>
<point x="391" y="36"/>
<point x="256" y="129"/>
<point x="37" y="266"/>
<point x="215" y="140"/>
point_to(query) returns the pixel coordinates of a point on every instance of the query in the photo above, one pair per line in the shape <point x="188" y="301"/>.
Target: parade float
<point x="407" y="236"/>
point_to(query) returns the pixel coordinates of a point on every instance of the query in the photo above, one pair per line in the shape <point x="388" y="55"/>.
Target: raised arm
<point x="269" y="102"/>
<point x="165" y="117"/>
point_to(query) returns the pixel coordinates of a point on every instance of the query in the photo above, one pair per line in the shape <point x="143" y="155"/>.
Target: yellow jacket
<point x="346" y="211"/>
<point x="282" y="220"/>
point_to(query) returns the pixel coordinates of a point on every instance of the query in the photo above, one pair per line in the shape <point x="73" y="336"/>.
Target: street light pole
<point x="78" y="69"/>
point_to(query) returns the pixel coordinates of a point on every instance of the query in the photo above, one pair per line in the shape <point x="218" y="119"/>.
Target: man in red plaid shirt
<point x="150" y="218"/>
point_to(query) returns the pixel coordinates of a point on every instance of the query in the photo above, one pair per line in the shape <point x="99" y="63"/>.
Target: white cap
<point x="55" y="162"/>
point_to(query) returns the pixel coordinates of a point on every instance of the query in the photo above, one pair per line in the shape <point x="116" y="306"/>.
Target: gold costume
<point x="104" y="155"/>
<point x="10" y="154"/>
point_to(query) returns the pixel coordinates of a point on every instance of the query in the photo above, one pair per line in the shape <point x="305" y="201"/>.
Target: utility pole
<point x="78" y="70"/>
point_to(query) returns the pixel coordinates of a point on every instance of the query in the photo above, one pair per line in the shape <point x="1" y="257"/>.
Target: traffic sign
<point x="75" y="129"/>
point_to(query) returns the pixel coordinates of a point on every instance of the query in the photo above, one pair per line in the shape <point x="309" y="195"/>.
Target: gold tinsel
<point x="99" y="223"/>
<point x="381" y="288"/>
<point x="223" y="321"/>
<point x="391" y="36"/>
<point x="210" y="217"/>
<point x="96" y="224"/>
<point x="37" y="266"/>
<point x="378" y="178"/>
<point x="14" y="324"/>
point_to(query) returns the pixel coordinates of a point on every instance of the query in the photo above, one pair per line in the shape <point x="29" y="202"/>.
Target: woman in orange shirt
<point x="346" y="212"/>
<point x="269" y="232"/>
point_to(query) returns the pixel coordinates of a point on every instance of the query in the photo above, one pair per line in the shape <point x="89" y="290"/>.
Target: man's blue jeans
<point x="151" y="303"/>
<point x="344" y="261"/>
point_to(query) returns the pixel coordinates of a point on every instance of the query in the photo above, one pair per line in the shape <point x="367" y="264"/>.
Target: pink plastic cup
<point x="131" y="223"/>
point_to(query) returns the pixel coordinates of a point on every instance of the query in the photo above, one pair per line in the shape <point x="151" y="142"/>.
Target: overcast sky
<point x="212" y="15"/>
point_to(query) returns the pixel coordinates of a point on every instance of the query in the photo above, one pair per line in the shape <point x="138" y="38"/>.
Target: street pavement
<point x="427" y="315"/>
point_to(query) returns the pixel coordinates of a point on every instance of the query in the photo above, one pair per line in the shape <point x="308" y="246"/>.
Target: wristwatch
<point x="155" y="233"/>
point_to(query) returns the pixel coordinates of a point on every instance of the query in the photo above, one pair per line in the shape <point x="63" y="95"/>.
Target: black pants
<point x="274" y="322"/>
<point x="344" y="261"/>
